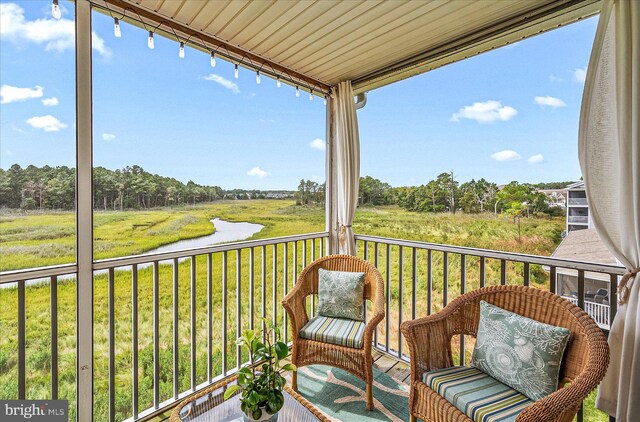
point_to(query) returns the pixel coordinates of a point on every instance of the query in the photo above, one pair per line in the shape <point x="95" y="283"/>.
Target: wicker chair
<point x="429" y="339"/>
<point x="358" y="362"/>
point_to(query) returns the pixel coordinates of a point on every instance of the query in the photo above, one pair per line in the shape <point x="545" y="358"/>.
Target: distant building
<point x="582" y="243"/>
<point x="555" y="197"/>
<point x="578" y="217"/>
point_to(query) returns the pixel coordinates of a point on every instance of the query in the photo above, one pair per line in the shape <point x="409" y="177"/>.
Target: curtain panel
<point x="609" y="152"/>
<point x="347" y="163"/>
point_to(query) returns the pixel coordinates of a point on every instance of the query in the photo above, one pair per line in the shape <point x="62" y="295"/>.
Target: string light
<point x="116" y="28"/>
<point x="55" y="10"/>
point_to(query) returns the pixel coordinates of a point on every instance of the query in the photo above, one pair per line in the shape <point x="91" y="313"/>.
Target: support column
<point x="331" y="187"/>
<point x="84" y="214"/>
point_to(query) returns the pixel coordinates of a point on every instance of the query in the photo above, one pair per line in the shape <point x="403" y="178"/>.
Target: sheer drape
<point x="609" y="149"/>
<point x="347" y="153"/>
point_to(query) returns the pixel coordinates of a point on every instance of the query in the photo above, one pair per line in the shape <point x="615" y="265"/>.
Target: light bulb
<point x="258" y="77"/>
<point x="278" y="82"/>
<point x="150" y="40"/>
<point x="213" y="59"/>
<point x="181" y="52"/>
<point x="297" y="91"/>
<point x="235" y="71"/>
<point x="311" y="95"/>
<point x="116" y="28"/>
<point x="55" y="10"/>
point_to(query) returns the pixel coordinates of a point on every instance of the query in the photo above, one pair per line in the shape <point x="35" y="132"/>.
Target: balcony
<point x="150" y="330"/>
<point x="149" y="310"/>
<point x="578" y="219"/>
<point x="578" y="201"/>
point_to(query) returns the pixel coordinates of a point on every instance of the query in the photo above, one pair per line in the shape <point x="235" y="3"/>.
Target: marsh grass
<point x="126" y="233"/>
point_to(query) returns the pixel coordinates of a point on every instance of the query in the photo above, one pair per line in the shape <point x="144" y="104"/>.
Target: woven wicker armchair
<point x="357" y="361"/>
<point x="584" y="364"/>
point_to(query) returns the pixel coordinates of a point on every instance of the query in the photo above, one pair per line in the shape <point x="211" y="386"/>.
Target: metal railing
<point x="421" y="278"/>
<point x="164" y="324"/>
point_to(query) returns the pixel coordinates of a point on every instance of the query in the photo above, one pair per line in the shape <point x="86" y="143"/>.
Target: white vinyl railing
<point x="598" y="311"/>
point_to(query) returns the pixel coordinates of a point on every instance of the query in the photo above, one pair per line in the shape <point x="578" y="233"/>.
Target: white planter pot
<point x="265" y="417"/>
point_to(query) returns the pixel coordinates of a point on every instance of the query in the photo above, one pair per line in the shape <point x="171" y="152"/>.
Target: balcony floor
<point x="396" y="369"/>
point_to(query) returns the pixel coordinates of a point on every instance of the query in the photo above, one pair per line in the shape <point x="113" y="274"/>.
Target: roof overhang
<point x="316" y="44"/>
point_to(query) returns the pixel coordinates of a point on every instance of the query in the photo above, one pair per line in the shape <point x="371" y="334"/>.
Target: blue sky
<point x="511" y="114"/>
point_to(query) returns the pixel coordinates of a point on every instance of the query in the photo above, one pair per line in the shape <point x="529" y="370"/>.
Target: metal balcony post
<point x="331" y="187"/>
<point x="84" y="214"/>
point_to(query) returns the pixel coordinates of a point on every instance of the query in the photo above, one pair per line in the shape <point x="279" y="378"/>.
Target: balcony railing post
<point x="112" y="345"/>
<point x="176" y="323"/>
<point x="192" y="314"/>
<point x="21" y="341"/>
<point x="134" y="340"/>
<point x="238" y="306"/>
<point x="54" y="337"/>
<point x="84" y="213"/>
<point x="400" y="296"/>
<point x="331" y="189"/>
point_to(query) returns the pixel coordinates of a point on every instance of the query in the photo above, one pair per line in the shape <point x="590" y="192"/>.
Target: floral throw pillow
<point x="520" y="352"/>
<point x="341" y="294"/>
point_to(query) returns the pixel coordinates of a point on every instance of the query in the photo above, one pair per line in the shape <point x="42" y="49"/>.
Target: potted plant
<point x="261" y="379"/>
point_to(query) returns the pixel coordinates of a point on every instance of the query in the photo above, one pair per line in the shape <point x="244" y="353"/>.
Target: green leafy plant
<point x="261" y="379"/>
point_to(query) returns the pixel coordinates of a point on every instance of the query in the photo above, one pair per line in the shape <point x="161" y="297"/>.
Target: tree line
<point x="446" y="194"/>
<point x="134" y="188"/>
<point x="130" y="187"/>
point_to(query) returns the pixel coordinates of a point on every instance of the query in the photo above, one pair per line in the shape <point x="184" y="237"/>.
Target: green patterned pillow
<point x="341" y="294"/>
<point x="520" y="352"/>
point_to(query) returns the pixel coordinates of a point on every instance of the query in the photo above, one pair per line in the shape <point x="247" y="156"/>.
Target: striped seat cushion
<point x="476" y="394"/>
<point x="343" y="332"/>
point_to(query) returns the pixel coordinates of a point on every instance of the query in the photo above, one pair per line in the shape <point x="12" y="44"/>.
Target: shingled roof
<point x="584" y="245"/>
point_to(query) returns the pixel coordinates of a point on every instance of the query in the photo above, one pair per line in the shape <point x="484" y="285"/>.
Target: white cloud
<point x="108" y="136"/>
<point x="535" y="159"/>
<point x="11" y="94"/>
<point x="486" y="112"/>
<point x="53" y="101"/>
<point x="580" y="75"/>
<point x="506" y="155"/>
<point x="258" y="172"/>
<point x="554" y="78"/>
<point x="318" y="144"/>
<point x="56" y="34"/>
<point x="549" y="101"/>
<point x="230" y="85"/>
<point x="47" y="123"/>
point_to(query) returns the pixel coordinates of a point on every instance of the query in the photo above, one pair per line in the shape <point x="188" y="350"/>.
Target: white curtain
<point x="347" y="154"/>
<point x="609" y="150"/>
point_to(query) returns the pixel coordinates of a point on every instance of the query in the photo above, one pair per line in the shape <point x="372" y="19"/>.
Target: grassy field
<point x="46" y="239"/>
